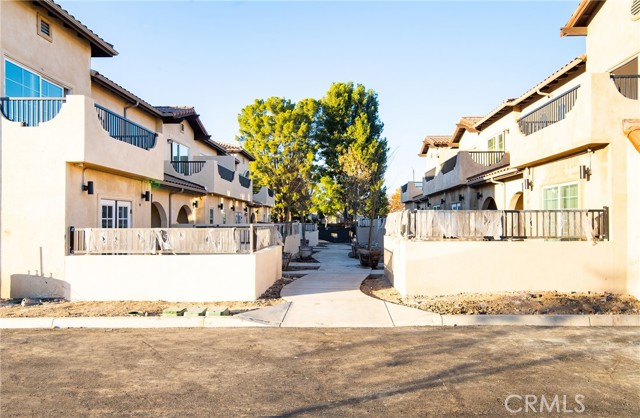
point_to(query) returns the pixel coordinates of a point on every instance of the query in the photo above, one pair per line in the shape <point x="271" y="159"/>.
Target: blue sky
<point x="430" y="62"/>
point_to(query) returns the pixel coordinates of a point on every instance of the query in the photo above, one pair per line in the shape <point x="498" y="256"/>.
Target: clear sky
<point x="430" y="62"/>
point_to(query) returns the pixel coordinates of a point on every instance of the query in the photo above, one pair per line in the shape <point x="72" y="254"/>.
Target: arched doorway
<point x="517" y="202"/>
<point x="253" y="217"/>
<point x="183" y="215"/>
<point x="158" y="216"/>
<point x="489" y="204"/>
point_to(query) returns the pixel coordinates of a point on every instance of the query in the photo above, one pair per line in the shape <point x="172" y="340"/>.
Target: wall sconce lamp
<point x="418" y="207"/>
<point x="221" y="206"/>
<point x="246" y="209"/>
<point x="460" y="197"/>
<point x="195" y="203"/>
<point x="233" y="208"/>
<point x="442" y="201"/>
<point x="146" y="196"/>
<point x="88" y="187"/>
<point x="585" y="173"/>
<point x="479" y="195"/>
<point x="528" y="184"/>
<point x="428" y="204"/>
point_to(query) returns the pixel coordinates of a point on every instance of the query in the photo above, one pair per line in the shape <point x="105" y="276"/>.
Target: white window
<point x="563" y="196"/>
<point x="437" y="207"/>
<point x="212" y="216"/>
<point x="115" y="214"/>
<point x="180" y="158"/>
<point x="496" y="143"/>
<point x="238" y="217"/>
<point x="20" y="82"/>
<point x="456" y="206"/>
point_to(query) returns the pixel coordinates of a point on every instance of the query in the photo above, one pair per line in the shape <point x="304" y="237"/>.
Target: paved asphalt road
<point x="321" y="372"/>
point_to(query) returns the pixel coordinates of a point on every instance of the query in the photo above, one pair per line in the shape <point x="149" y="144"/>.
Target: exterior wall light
<point x="479" y="195"/>
<point x="460" y="197"/>
<point x="442" y="201"/>
<point x="528" y="184"/>
<point x="195" y="203"/>
<point x="233" y="208"/>
<point x="146" y="196"/>
<point x="221" y="206"/>
<point x="585" y="173"/>
<point x="88" y="187"/>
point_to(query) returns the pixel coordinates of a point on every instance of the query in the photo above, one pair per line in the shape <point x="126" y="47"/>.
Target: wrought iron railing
<point x="244" y="181"/>
<point x="31" y="111"/>
<point x="125" y="130"/>
<point x="486" y="158"/>
<point x="592" y="224"/>
<point x="548" y="114"/>
<point x="225" y="173"/>
<point x="627" y="85"/>
<point x="188" y="168"/>
<point x="199" y="239"/>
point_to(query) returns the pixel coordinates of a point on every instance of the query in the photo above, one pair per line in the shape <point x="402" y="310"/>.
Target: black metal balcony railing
<point x="244" y="181"/>
<point x="187" y="168"/>
<point x="552" y="112"/>
<point x="225" y="173"/>
<point x="125" y="130"/>
<point x="486" y="158"/>
<point x="627" y="85"/>
<point x="31" y="111"/>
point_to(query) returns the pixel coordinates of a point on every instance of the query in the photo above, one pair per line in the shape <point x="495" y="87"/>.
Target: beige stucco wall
<point x="614" y="37"/>
<point x="118" y="105"/>
<point x="184" y="278"/>
<point x="64" y="60"/>
<point x="435" y="267"/>
<point x="196" y="148"/>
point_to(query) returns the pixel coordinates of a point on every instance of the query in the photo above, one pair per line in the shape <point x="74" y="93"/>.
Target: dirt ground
<point x="513" y="303"/>
<point x="393" y="372"/>
<point x="59" y="308"/>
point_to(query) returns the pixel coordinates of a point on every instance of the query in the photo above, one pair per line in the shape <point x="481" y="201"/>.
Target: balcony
<point x="410" y="191"/>
<point x="71" y="129"/>
<point x="552" y="112"/>
<point x="627" y="85"/>
<point x="124" y="130"/>
<point x="264" y="197"/>
<point x="30" y="111"/>
<point x="214" y="174"/>
<point x="596" y="113"/>
<point x="457" y="169"/>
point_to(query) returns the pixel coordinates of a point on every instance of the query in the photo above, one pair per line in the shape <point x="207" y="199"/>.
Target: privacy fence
<point x="238" y="239"/>
<point x="427" y="225"/>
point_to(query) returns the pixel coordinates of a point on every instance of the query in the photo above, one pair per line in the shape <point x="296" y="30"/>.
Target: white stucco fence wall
<point x="185" y="278"/>
<point x="451" y="267"/>
<point x="292" y="244"/>
<point x="312" y="236"/>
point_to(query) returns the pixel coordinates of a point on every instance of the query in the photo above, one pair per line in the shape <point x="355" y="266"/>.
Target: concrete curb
<point x="235" y="322"/>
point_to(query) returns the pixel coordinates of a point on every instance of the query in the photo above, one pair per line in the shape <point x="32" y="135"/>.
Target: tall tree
<point x="352" y="150"/>
<point x="395" y="201"/>
<point x="280" y="134"/>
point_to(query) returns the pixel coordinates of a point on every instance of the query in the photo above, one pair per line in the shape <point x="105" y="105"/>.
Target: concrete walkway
<point x="331" y="297"/>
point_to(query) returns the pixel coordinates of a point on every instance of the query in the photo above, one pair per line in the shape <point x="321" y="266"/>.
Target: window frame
<point x="559" y="200"/>
<point x="41" y="78"/>
<point x="115" y="218"/>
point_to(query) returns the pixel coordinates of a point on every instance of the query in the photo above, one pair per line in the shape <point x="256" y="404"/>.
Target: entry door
<point x="115" y="214"/>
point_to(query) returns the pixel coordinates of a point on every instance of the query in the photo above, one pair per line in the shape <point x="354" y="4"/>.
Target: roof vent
<point x="44" y="28"/>
<point x="635" y="8"/>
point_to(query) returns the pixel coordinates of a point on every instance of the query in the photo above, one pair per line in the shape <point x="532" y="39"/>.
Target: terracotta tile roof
<point x="566" y="73"/>
<point x="434" y="141"/>
<point x="99" y="47"/>
<point x="173" y="182"/>
<point x="581" y="17"/>
<point x="236" y="149"/>
<point x="178" y="111"/>
<point x="466" y="123"/>
<point x="116" y="88"/>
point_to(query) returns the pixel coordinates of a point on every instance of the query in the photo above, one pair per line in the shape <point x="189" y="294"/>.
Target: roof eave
<point x="99" y="47"/>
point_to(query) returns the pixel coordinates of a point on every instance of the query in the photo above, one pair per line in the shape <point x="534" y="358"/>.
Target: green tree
<point x="351" y="147"/>
<point x="280" y="134"/>
<point x="326" y="197"/>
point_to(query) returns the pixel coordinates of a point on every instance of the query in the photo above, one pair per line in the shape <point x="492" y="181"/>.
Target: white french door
<point x="115" y="214"/>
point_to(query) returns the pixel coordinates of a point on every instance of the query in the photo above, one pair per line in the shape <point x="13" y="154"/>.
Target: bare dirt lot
<point x="471" y="371"/>
<point x="514" y="303"/>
